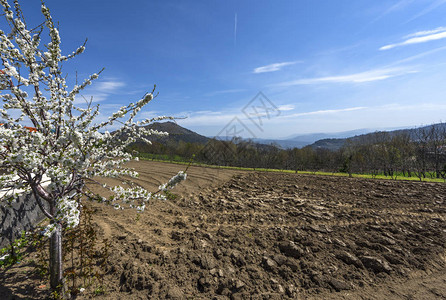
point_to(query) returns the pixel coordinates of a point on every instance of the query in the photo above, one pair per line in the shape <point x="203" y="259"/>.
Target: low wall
<point x="22" y="215"/>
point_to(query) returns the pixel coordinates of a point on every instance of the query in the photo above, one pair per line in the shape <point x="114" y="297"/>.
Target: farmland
<point x="233" y="234"/>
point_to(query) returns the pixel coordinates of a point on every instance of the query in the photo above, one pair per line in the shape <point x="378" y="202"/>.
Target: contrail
<point x="427" y="10"/>
<point x="235" y="30"/>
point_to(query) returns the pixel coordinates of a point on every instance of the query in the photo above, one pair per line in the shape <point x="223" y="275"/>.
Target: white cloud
<point x="212" y="118"/>
<point x="109" y="86"/>
<point x="419" y="37"/>
<point x="286" y="107"/>
<point x="389" y="115"/>
<point x="206" y="118"/>
<point x="325" y="112"/>
<point x="274" y="67"/>
<point x="425" y="32"/>
<point x="372" y="75"/>
<point x="373" y="117"/>
<point x="418" y="107"/>
<point x="99" y="91"/>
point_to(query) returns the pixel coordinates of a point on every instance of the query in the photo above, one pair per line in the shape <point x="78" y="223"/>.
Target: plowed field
<point x="252" y="235"/>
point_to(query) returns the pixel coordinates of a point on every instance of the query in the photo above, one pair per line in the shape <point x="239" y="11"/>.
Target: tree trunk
<point x="56" y="258"/>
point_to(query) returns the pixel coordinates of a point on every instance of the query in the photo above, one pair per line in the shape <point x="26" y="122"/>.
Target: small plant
<point x="169" y="195"/>
<point x="15" y="251"/>
<point x="87" y="262"/>
<point x="100" y="290"/>
<point x="85" y="256"/>
<point x="40" y="247"/>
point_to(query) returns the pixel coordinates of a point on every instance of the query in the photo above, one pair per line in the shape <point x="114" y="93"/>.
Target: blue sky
<point x="324" y="66"/>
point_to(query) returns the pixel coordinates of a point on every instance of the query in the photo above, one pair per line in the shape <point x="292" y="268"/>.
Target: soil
<point x="254" y="235"/>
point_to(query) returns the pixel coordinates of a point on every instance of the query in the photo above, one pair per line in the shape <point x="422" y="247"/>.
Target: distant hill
<point x="300" y="141"/>
<point x="330" y="144"/>
<point x="176" y="133"/>
<point x="284" y="144"/>
<point x="333" y="141"/>
<point x="336" y="144"/>
<point x="313" y="137"/>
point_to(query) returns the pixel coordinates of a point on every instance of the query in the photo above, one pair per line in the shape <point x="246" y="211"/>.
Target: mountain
<point x="337" y="143"/>
<point x="330" y="141"/>
<point x="176" y="133"/>
<point x="313" y="137"/>
<point x="284" y="144"/>
<point x="330" y="144"/>
<point x="300" y="141"/>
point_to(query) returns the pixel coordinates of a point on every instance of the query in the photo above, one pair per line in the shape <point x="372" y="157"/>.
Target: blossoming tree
<point x="68" y="146"/>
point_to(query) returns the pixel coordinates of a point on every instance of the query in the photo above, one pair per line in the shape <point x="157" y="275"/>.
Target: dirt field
<point x="249" y="235"/>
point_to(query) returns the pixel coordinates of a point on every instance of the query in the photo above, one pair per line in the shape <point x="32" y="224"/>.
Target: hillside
<point x="337" y="143"/>
<point x="176" y="133"/>
<point x="330" y="144"/>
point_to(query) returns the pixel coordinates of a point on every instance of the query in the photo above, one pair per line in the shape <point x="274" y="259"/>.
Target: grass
<point x="321" y="173"/>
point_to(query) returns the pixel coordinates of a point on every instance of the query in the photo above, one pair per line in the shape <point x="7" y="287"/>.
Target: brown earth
<point x="251" y="235"/>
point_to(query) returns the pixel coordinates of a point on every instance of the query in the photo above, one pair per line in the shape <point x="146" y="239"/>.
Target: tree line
<point x="418" y="153"/>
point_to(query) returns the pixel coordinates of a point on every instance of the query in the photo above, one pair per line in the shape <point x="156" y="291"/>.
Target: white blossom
<point x="67" y="148"/>
<point x="2" y="258"/>
<point x="173" y="181"/>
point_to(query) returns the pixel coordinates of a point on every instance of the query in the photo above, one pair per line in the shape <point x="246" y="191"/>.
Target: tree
<point x="422" y="139"/>
<point x="67" y="147"/>
<point x="436" y="144"/>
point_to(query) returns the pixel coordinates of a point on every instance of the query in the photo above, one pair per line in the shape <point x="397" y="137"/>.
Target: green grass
<point x="180" y="161"/>
<point x="161" y="157"/>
